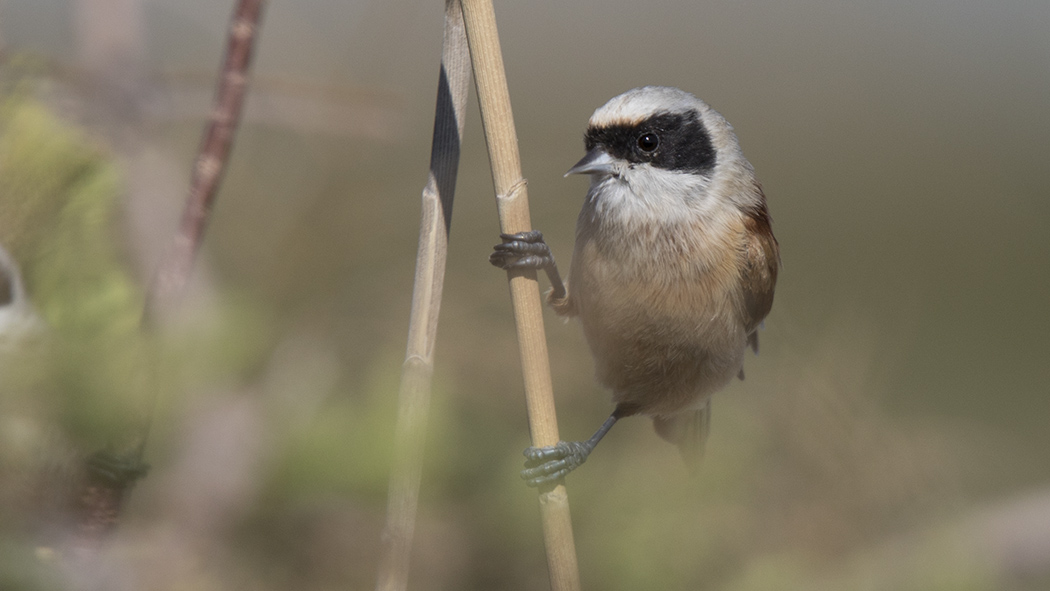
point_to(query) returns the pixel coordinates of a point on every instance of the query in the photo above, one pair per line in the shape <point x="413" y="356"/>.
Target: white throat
<point x="642" y="195"/>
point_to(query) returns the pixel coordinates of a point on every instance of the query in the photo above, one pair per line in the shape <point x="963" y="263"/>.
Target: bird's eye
<point x="648" y="142"/>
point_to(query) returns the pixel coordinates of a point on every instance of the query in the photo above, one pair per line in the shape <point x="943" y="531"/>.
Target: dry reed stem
<point x="512" y="204"/>
<point x="414" y="396"/>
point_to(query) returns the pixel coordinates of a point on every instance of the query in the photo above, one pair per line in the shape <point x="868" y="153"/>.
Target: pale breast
<point x="660" y="310"/>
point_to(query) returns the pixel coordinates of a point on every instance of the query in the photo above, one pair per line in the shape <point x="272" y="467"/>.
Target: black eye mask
<point x="672" y="141"/>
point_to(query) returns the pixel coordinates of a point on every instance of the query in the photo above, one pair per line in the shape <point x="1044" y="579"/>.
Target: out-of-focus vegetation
<point x="58" y="199"/>
<point x="890" y="435"/>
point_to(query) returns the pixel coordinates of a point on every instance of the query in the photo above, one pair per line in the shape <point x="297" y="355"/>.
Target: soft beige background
<point x="900" y="402"/>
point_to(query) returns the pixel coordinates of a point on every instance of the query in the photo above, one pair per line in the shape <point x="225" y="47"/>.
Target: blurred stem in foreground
<point x="174" y="271"/>
<point x="414" y="397"/>
<point x="113" y="473"/>
<point x="512" y="203"/>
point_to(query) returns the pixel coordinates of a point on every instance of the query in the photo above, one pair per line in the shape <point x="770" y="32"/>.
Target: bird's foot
<point x="524" y="250"/>
<point x="548" y="464"/>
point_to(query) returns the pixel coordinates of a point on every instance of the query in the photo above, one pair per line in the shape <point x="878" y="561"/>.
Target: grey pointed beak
<point x="597" y="161"/>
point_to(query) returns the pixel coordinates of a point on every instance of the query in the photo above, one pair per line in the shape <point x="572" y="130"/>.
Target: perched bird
<point x="673" y="271"/>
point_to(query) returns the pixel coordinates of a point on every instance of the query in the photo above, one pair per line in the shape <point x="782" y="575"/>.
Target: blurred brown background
<point x="892" y="434"/>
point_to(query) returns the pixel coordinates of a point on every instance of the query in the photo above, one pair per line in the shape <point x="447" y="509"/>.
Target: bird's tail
<point x="688" y="430"/>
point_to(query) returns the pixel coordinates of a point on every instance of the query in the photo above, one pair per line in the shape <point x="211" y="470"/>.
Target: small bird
<point x="673" y="270"/>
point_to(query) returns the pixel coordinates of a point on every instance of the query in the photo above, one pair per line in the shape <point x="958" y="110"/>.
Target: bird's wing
<point x="761" y="263"/>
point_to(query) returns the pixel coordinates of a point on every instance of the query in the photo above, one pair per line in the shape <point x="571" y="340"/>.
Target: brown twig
<point x="109" y="475"/>
<point x="174" y="271"/>
<point x="513" y="206"/>
<point x="414" y="397"/>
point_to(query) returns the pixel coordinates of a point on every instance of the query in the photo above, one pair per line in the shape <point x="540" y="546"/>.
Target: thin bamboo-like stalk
<point x="414" y="397"/>
<point x="513" y="207"/>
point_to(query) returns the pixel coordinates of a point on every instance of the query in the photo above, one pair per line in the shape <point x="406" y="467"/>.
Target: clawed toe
<point x="537" y="455"/>
<point x="530" y="236"/>
<point x="549" y="464"/>
<point x="528" y="251"/>
<point x="524" y="250"/>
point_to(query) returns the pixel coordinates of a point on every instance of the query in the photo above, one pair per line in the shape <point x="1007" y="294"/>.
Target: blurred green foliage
<point x="59" y="196"/>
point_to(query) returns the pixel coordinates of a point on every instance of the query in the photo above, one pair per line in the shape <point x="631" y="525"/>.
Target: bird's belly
<point x="662" y="350"/>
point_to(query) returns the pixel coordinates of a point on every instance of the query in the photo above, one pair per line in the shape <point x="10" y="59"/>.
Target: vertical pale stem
<point x="414" y="397"/>
<point x="513" y="207"/>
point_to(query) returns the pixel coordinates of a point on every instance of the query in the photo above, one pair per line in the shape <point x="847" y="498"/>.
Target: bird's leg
<point x="548" y="464"/>
<point x="527" y="250"/>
